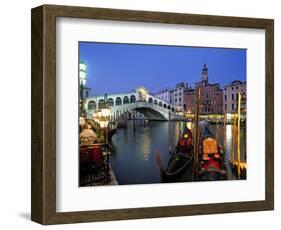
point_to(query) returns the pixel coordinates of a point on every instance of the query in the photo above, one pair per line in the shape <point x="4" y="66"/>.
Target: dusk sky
<point x="117" y="68"/>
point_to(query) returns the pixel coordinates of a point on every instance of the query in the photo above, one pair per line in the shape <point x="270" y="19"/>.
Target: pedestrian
<point x="87" y="136"/>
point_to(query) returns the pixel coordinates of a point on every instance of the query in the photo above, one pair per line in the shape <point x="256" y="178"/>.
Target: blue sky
<point x="114" y="68"/>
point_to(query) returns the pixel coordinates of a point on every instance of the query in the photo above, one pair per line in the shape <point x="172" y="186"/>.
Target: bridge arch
<point x="110" y="101"/>
<point x="151" y="107"/>
<point x="118" y="101"/>
<point x="101" y="103"/>
<point x="132" y="99"/>
<point x="126" y="100"/>
<point x="92" y="105"/>
<point x="150" y="113"/>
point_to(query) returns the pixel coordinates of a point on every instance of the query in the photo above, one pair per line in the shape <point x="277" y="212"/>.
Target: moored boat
<point x="211" y="159"/>
<point x="180" y="159"/>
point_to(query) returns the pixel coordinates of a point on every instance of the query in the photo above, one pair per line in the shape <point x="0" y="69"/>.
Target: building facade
<point x="230" y="96"/>
<point x="211" y="99"/>
<point x="178" y="97"/>
<point x="165" y="95"/>
<point x="211" y="96"/>
<point x="189" y="100"/>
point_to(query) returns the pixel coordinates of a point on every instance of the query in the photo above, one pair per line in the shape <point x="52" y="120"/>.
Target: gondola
<point x="211" y="160"/>
<point x="180" y="160"/>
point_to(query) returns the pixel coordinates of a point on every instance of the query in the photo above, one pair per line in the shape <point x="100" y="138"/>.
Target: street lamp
<point x="105" y="112"/>
<point x="105" y="115"/>
<point x="81" y="121"/>
<point x="102" y="117"/>
<point x="82" y="78"/>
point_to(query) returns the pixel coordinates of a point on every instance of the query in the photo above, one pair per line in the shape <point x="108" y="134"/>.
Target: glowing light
<point x="189" y="125"/>
<point x="82" y="66"/>
<point x="146" y="146"/>
<point x="105" y="112"/>
<point x="228" y="132"/>
<point x="142" y="93"/>
<point x="228" y="116"/>
<point x="81" y="121"/>
<point x="82" y="73"/>
<point x="103" y="124"/>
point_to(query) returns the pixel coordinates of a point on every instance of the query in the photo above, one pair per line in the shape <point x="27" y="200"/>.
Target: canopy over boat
<point x="212" y="165"/>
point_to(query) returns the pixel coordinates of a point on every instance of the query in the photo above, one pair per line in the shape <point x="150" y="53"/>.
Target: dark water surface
<point x="133" y="155"/>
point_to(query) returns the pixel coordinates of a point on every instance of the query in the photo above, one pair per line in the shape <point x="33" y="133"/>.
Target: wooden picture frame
<point x="43" y="208"/>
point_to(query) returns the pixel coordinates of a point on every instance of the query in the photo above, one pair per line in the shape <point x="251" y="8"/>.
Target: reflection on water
<point x="133" y="155"/>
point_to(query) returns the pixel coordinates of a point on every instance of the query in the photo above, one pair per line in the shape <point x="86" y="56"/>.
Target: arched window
<point x="165" y="106"/>
<point x="133" y="98"/>
<point x="110" y="102"/>
<point x="184" y="107"/>
<point x="92" y="105"/>
<point x="101" y="104"/>
<point x="160" y="104"/>
<point x="155" y="102"/>
<point x="150" y="100"/>
<point x="118" y="101"/>
<point x="125" y="100"/>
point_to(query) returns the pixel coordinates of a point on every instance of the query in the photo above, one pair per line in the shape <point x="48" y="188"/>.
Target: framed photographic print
<point x="140" y="114"/>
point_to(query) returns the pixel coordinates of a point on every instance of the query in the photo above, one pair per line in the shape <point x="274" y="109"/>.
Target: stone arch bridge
<point x="138" y="100"/>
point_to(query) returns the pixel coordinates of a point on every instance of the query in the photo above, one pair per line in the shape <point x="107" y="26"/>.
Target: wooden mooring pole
<point x="238" y="135"/>
<point x="233" y="140"/>
<point x="196" y="144"/>
<point x="169" y="134"/>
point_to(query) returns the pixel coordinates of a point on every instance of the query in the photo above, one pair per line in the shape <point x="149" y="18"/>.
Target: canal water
<point x="133" y="155"/>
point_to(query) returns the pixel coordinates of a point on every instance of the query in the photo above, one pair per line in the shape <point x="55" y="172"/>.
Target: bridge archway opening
<point x="160" y="103"/>
<point x="101" y="104"/>
<point x="126" y="100"/>
<point x="92" y="105"/>
<point x="150" y="114"/>
<point x="164" y="105"/>
<point x="155" y="102"/>
<point x="150" y="100"/>
<point x="110" y="101"/>
<point x="118" y="101"/>
<point x="169" y="107"/>
<point x="173" y="109"/>
<point x="132" y="99"/>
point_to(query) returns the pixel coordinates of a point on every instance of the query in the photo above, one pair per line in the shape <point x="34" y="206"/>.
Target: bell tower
<point x="204" y="76"/>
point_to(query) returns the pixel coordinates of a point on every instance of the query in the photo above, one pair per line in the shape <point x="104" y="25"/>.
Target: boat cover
<point x="210" y="146"/>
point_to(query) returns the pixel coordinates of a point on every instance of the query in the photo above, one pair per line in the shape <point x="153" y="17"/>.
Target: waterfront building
<point x="189" y="100"/>
<point x="230" y="96"/>
<point x="211" y="96"/>
<point x="178" y="96"/>
<point x="165" y="95"/>
<point x="174" y="96"/>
